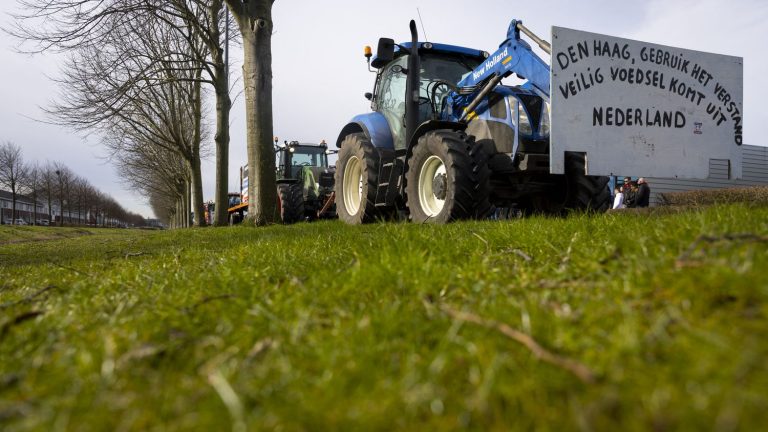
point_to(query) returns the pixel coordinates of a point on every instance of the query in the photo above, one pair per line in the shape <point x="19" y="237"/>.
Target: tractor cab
<point x="233" y="199"/>
<point x="441" y="66"/>
<point x="295" y="160"/>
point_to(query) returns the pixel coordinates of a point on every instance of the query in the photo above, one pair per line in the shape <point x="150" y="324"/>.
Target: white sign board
<point x="641" y="109"/>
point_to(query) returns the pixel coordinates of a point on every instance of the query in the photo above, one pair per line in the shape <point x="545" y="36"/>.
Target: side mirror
<point x="385" y="52"/>
<point x="369" y="95"/>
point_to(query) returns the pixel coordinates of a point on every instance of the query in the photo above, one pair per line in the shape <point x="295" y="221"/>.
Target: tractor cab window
<point x="309" y="156"/>
<point x="435" y="69"/>
<point x="291" y="163"/>
<point x="390" y="100"/>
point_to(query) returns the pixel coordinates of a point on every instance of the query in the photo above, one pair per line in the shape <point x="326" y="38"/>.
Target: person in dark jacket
<point x="625" y="187"/>
<point x="630" y="195"/>
<point x="643" y="196"/>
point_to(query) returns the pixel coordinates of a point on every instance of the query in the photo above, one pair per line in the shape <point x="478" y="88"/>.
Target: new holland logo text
<point x="490" y="63"/>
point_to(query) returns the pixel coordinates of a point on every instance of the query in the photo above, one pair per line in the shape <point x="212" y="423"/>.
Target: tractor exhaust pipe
<point x="412" y="86"/>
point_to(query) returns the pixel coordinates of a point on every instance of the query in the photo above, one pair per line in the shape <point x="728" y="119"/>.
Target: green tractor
<point x="305" y="182"/>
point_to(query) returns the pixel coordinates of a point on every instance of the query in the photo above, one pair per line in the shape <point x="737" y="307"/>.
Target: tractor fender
<point x="433" y="125"/>
<point x="430" y="126"/>
<point x="374" y="125"/>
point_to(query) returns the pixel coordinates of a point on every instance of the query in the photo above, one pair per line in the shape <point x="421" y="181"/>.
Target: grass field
<point x="628" y="321"/>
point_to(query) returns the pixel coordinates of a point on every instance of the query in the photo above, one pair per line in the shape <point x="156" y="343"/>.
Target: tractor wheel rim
<point x="432" y="168"/>
<point x="353" y="185"/>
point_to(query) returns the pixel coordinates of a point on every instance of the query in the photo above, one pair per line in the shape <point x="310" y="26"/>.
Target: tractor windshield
<point x="295" y="158"/>
<point x="445" y="67"/>
<point x="309" y="156"/>
<point x="436" y="68"/>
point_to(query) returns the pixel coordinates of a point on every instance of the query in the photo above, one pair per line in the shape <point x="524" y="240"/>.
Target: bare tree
<point x="254" y="19"/>
<point x="48" y="187"/>
<point x="136" y="88"/>
<point x="161" y="208"/>
<point x="34" y="186"/>
<point x="160" y="173"/>
<point x="82" y="196"/>
<point x="206" y="18"/>
<point x="64" y="177"/>
<point x="13" y="172"/>
<point x="76" y="25"/>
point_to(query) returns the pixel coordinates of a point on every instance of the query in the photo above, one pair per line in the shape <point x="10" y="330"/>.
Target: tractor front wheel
<point x="291" y="196"/>
<point x="447" y="178"/>
<point x="356" y="180"/>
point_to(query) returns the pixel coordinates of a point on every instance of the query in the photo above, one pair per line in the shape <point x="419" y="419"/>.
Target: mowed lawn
<point x="623" y="321"/>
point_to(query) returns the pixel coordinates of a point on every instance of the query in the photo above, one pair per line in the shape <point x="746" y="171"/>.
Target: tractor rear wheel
<point x="585" y="193"/>
<point x="357" y="172"/>
<point x="447" y="178"/>
<point x="575" y="191"/>
<point x="291" y="197"/>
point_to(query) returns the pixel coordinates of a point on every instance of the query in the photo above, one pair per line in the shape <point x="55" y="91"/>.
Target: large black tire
<point x="574" y="191"/>
<point x="585" y="193"/>
<point x="291" y="197"/>
<point x="448" y="178"/>
<point x="358" y="164"/>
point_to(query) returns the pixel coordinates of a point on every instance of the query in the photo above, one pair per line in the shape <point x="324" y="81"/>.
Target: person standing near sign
<point x="630" y="193"/>
<point x="625" y="186"/>
<point x="618" y="200"/>
<point x="643" y="193"/>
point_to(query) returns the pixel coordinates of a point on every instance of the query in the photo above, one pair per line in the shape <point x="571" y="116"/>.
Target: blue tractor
<point x="446" y="141"/>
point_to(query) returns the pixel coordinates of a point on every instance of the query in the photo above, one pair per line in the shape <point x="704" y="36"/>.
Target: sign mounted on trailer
<point x="642" y="109"/>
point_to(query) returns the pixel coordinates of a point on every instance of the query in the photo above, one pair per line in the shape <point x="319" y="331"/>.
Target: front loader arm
<point x="513" y="56"/>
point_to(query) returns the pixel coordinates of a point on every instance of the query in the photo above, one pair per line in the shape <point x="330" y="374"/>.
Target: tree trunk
<point x="179" y="212"/>
<point x="195" y="171"/>
<point x="13" y="203"/>
<point x="188" y="201"/>
<point x="185" y="204"/>
<point x="223" y="107"/>
<point x="34" y="208"/>
<point x="197" y="193"/>
<point x="256" y="31"/>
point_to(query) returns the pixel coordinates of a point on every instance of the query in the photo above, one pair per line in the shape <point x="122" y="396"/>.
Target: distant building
<point x="754" y="173"/>
<point x="24" y="209"/>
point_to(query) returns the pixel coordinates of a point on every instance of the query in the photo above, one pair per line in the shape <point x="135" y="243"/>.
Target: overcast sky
<point x="320" y="74"/>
